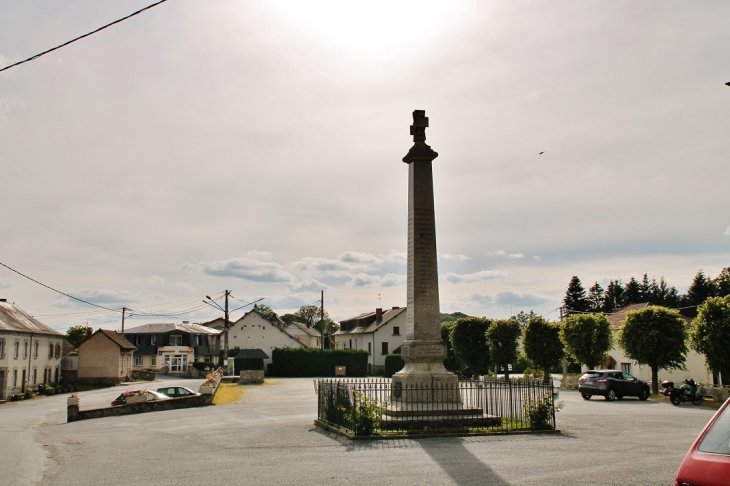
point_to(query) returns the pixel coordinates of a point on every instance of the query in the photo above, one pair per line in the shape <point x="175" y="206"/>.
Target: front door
<point x="2" y="384"/>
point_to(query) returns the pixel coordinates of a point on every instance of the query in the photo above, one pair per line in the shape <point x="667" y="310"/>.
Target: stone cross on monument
<point x="423" y="351"/>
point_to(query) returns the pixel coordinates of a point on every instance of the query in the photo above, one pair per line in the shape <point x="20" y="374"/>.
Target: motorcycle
<point x="686" y="393"/>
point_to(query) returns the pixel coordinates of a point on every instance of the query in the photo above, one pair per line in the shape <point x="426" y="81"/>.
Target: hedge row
<point x="318" y="362"/>
<point x="393" y="364"/>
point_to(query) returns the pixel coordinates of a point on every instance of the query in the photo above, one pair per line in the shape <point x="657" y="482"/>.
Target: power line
<point x="58" y="291"/>
<point x="81" y="37"/>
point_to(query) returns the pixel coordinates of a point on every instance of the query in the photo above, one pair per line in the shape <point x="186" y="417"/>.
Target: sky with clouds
<point x="257" y="146"/>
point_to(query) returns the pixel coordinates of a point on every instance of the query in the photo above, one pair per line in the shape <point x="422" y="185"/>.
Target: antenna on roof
<point x="380" y="302"/>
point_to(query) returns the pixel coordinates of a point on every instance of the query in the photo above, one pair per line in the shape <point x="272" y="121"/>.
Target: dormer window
<point x="176" y="340"/>
<point x="153" y="340"/>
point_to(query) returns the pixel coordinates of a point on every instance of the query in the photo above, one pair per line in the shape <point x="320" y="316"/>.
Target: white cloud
<point x="247" y="268"/>
<point x="455" y="257"/>
<point x="5" y="283"/>
<point x="155" y="279"/>
<point x="308" y="285"/>
<point x="727" y="232"/>
<point x="99" y="296"/>
<point x="482" y="276"/>
<point x="485" y="300"/>
<point x="505" y="254"/>
<point x="358" y="258"/>
<point x="388" y="280"/>
<point x="537" y="258"/>
<point x="185" y="286"/>
<point x="519" y="300"/>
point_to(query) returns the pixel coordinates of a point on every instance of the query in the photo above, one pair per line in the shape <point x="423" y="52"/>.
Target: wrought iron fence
<point x="381" y="407"/>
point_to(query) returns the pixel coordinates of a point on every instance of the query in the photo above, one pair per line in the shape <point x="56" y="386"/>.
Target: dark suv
<point x="612" y="384"/>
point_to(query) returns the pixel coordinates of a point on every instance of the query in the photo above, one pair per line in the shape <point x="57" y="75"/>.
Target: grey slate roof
<point x="13" y="318"/>
<point x="162" y="328"/>
<point x="251" y="354"/>
<point x="371" y="325"/>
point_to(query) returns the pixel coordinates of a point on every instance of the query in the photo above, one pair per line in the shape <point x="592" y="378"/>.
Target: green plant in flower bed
<point x="367" y="414"/>
<point x="337" y="404"/>
<point x="540" y="412"/>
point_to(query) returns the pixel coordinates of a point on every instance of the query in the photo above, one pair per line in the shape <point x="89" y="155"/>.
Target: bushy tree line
<point x="657" y="292"/>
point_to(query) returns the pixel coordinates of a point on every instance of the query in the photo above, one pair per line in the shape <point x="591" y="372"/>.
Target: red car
<point x="707" y="462"/>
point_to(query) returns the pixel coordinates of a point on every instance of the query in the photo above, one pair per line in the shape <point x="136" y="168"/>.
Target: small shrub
<point x="366" y="415"/>
<point x="540" y="412"/>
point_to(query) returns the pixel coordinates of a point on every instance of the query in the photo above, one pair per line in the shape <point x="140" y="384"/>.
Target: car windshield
<point x="717" y="439"/>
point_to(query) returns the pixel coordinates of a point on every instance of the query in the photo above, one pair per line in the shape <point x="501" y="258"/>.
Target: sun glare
<point x="373" y="28"/>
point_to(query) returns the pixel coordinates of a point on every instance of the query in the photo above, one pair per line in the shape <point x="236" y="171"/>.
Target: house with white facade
<point x="30" y="351"/>
<point x="695" y="362"/>
<point x="173" y="345"/>
<point x="255" y="331"/>
<point x="379" y="333"/>
<point x="306" y="335"/>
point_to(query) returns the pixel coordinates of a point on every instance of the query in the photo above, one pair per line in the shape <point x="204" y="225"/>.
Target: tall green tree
<point x="699" y="290"/>
<point x="523" y="317"/>
<point x="613" y="298"/>
<point x="469" y="340"/>
<point x="595" y="298"/>
<point x="265" y="311"/>
<point x="502" y="337"/>
<point x="587" y="338"/>
<point x="655" y="336"/>
<point x="710" y="334"/>
<point x="542" y="344"/>
<point x="310" y="315"/>
<point x="77" y="334"/>
<point x="722" y="283"/>
<point x="575" y="297"/>
<point x="632" y="292"/>
<point x="645" y="289"/>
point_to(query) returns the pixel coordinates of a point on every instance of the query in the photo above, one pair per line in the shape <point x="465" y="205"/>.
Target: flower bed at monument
<point x="377" y="408"/>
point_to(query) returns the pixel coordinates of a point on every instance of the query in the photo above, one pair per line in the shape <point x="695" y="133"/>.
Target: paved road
<point x="269" y="439"/>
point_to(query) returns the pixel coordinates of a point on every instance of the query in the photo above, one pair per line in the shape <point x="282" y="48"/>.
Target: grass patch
<point x="228" y="393"/>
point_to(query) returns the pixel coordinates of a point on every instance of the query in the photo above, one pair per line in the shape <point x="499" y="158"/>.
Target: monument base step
<point x="415" y="409"/>
<point x="439" y="422"/>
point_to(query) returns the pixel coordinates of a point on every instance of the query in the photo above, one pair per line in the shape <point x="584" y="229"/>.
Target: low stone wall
<point x="251" y="376"/>
<point x="99" y="382"/>
<point x="73" y="413"/>
<point x="718" y="394"/>
<point x="143" y="375"/>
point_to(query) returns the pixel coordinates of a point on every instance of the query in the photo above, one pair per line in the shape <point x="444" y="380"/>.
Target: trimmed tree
<point x="469" y="341"/>
<point x="586" y="338"/>
<point x="542" y="344"/>
<point x="502" y="338"/>
<point x="710" y="334"/>
<point x="452" y="363"/>
<point x="655" y="336"/>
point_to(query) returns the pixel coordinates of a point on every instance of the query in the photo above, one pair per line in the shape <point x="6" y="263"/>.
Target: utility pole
<point x="124" y="311"/>
<point x="225" y="335"/>
<point x="321" y="319"/>
<point x="565" y="360"/>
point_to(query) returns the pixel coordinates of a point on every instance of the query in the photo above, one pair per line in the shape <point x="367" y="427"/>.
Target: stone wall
<point x="74" y="414"/>
<point x="251" y="376"/>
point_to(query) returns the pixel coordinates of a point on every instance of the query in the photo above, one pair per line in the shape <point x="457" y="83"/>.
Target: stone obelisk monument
<point x="423" y="351"/>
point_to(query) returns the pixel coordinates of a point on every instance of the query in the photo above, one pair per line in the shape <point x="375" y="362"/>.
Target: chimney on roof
<point x="395" y="307"/>
<point x="378" y="314"/>
<point x="3" y="300"/>
<point x="89" y="332"/>
<point x="186" y="322"/>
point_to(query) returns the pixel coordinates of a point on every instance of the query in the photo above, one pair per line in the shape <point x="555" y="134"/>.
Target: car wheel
<point x="644" y="395"/>
<point x="697" y="399"/>
<point x="585" y="396"/>
<point x="610" y="395"/>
